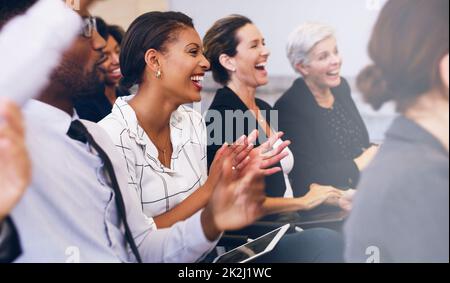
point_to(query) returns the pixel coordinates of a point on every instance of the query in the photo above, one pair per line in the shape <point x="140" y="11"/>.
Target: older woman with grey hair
<point x="329" y="139"/>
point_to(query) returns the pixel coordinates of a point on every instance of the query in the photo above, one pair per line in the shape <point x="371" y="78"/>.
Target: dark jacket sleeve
<point x="9" y="242"/>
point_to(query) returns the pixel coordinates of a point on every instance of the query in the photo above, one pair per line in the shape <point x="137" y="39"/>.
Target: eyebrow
<point x="115" y="47"/>
<point x="326" y="51"/>
<point x="257" y="40"/>
<point x="322" y="52"/>
<point x="195" y="45"/>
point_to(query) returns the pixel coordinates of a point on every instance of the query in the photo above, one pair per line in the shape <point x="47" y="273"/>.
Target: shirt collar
<point x="50" y="116"/>
<point x="405" y="129"/>
<point x="179" y="129"/>
<point x="122" y="109"/>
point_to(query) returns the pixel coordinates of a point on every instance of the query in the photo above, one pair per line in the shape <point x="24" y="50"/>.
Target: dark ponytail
<point x="152" y="30"/>
<point x="373" y="85"/>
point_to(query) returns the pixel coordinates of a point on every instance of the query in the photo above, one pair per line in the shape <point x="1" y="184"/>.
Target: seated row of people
<point x="80" y="199"/>
<point x="166" y="188"/>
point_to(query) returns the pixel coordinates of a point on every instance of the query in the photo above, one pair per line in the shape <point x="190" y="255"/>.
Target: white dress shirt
<point x="69" y="213"/>
<point x="159" y="188"/>
<point x="31" y="47"/>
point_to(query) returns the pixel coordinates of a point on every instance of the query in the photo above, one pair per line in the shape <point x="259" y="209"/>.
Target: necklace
<point x="259" y="116"/>
<point x="164" y="150"/>
<point x="262" y="121"/>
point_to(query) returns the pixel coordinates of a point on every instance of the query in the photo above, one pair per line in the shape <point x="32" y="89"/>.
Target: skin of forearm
<point x="359" y="163"/>
<point x="191" y="205"/>
<point x="282" y="205"/>
<point x="209" y="228"/>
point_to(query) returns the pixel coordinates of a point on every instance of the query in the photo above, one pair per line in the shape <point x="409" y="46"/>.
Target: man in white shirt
<point x="23" y="42"/>
<point x="73" y="212"/>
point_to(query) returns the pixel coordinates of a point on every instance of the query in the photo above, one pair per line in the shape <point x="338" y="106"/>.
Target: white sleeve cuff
<point x="184" y="242"/>
<point x="198" y="238"/>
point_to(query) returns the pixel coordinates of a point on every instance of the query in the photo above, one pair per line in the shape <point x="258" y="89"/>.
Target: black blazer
<point x="315" y="156"/>
<point x="9" y="244"/>
<point x="225" y="100"/>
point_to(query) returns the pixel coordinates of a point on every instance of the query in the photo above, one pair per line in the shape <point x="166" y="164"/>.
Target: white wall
<point x="123" y="12"/>
<point x="353" y="20"/>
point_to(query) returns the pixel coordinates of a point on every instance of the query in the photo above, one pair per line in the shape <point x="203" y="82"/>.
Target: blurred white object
<point x="31" y="46"/>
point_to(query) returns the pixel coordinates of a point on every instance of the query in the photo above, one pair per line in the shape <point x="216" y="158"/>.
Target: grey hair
<point x="303" y="39"/>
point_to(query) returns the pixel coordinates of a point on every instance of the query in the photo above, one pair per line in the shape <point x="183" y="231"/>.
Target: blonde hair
<point x="303" y="39"/>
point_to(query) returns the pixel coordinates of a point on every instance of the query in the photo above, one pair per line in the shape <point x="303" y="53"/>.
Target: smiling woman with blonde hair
<point x="329" y="139"/>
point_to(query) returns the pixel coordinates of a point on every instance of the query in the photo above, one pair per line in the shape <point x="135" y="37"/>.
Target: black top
<point x="222" y="129"/>
<point x="324" y="142"/>
<point x="9" y="242"/>
<point x="345" y="133"/>
<point x="95" y="108"/>
<point x="402" y="206"/>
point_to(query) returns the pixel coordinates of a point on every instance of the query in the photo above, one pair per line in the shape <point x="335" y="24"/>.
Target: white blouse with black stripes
<point x="160" y="189"/>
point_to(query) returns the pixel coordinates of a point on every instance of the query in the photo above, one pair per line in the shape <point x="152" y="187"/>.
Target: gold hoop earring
<point x="158" y="74"/>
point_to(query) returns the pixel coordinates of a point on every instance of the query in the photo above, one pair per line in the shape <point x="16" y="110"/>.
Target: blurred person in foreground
<point x="401" y="210"/>
<point x="18" y="27"/>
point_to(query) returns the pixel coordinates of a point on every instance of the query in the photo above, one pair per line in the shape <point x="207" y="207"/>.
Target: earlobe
<point x="227" y="62"/>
